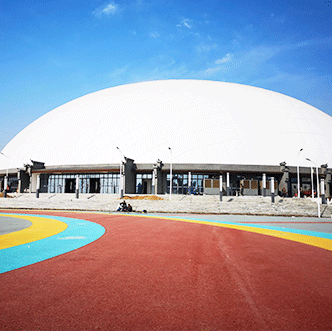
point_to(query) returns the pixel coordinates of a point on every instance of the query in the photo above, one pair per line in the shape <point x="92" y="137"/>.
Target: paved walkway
<point x="152" y="273"/>
<point x="178" y="204"/>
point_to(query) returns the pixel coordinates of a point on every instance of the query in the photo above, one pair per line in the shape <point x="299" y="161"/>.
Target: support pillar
<point x="227" y="184"/>
<point x="5" y="187"/>
<point x="322" y="186"/>
<point x="264" y="185"/>
<point x="312" y="182"/>
<point x="272" y="189"/>
<point x="77" y="187"/>
<point x="154" y="181"/>
<point x="220" y="187"/>
<point x="189" y="182"/>
<point x="318" y="201"/>
<point x="121" y="185"/>
<point x="160" y="181"/>
<point x="285" y="183"/>
<point x="38" y="186"/>
<point x="328" y="181"/>
<point x="129" y="176"/>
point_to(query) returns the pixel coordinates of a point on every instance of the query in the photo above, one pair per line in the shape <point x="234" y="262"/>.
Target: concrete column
<point x="272" y="189"/>
<point x="38" y="186"/>
<point x="23" y="181"/>
<point x="33" y="183"/>
<point x="77" y="186"/>
<point x="129" y="177"/>
<point x="189" y="182"/>
<point x="160" y="181"/>
<point x="19" y="182"/>
<point x="318" y="202"/>
<point x="154" y="181"/>
<point x="264" y="185"/>
<point x="312" y="182"/>
<point x="227" y="184"/>
<point x="328" y="181"/>
<point x="220" y="187"/>
<point x="285" y="185"/>
<point x="5" y="187"/>
<point x="322" y="186"/>
<point x="121" y="185"/>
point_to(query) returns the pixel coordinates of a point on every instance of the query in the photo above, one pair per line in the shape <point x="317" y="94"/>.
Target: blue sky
<point x="53" y="51"/>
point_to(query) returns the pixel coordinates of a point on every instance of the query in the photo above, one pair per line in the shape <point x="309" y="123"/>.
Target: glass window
<point x="109" y="183"/>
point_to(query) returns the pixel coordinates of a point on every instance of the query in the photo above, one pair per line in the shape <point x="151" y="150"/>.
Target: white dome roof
<point x="202" y="121"/>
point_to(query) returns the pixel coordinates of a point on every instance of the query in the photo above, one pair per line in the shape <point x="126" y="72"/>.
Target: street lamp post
<point x="121" y="174"/>
<point x="317" y="189"/>
<point x="171" y="174"/>
<point x="6" y="177"/>
<point x="298" y="173"/>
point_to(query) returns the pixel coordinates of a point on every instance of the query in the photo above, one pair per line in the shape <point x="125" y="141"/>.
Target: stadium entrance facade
<point x="154" y="178"/>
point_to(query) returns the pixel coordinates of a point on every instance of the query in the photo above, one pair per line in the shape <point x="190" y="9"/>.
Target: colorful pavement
<point x="98" y="271"/>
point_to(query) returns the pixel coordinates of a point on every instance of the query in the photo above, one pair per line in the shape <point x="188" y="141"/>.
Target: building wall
<point x="284" y="177"/>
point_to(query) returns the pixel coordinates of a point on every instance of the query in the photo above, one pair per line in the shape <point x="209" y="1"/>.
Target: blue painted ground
<point x="78" y="233"/>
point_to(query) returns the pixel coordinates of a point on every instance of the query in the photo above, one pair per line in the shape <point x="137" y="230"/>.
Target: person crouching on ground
<point x="119" y="207"/>
<point x="123" y="205"/>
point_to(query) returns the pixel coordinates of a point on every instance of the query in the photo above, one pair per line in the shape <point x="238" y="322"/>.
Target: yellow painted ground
<point x="301" y="238"/>
<point x="41" y="228"/>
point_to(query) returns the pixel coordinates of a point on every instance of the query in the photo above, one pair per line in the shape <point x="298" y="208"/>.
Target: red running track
<point x="156" y="274"/>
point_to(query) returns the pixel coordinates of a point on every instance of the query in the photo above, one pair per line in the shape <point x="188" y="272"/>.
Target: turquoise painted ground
<point x="78" y="233"/>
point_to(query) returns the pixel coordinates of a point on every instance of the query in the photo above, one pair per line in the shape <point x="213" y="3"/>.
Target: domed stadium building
<point x="132" y="137"/>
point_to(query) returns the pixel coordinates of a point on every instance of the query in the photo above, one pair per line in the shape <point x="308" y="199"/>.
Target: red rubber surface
<point x="150" y="274"/>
